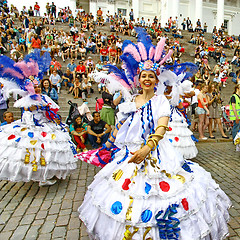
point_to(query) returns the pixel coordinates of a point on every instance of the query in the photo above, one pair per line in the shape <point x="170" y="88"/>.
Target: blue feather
<point x="6" y="62"/>
<point x="126" y="43"/>
<point x="117" y="72"/>
<point x="34" y="96"/>
<point x="42" y="61"/>
<point x="189" y="68"/>
<point x="144" y="37"/>
<point x="131" y="66"/>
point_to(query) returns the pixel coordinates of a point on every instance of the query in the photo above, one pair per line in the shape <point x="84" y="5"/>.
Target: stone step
<point x="187" y="56"/>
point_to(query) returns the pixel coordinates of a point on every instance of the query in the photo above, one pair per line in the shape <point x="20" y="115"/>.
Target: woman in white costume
<point x="148" y="191"/>
<point x="34" y="147"/>
<point x="180" y="135"/>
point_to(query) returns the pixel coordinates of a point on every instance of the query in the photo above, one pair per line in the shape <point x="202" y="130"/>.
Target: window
<point x="225" y="24"/>
<point x="124" y="11"/>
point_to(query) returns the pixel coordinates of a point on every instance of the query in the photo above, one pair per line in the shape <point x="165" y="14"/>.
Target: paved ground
<point x="30" y="212"/>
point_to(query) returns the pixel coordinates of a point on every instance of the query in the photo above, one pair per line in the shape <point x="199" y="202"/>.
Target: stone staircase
<point x="187" y="56"/>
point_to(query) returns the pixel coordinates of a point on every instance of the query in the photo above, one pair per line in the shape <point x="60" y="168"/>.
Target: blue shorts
<point x="69" y="84"/>
<point x="200" y="110"/>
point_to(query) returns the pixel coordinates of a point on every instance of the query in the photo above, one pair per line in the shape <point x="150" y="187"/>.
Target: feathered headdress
<point x="16" y="77"/>
<point x="143" y="56"/>
<point x="179" y="79"/>
<point x="135" y="58"/>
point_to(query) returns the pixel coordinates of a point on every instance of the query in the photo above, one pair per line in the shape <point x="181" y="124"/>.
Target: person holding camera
<point x="214" y="105"/>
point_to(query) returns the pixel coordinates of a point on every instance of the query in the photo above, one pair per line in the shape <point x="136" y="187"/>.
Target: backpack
<point x="99" y="104"/>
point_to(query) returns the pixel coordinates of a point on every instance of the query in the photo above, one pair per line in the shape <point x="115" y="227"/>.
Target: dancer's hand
<point x="98" y="140"/>
<point x="140" y="155"/>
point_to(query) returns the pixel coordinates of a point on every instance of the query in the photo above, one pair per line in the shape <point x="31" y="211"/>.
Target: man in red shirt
<point x="104" y="54"/>
<point x="80" y="70"/>
<point x="55" y="65"/>
<point x="211" y="50"/>
<point x="36" y="42"/>
<point x="37" y="9"/>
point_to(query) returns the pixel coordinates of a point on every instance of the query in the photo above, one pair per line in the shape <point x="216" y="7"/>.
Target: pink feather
<point x="24" y="67"/>
<point x="33" y="68"/>
<point x="131" y="49"/>
<point x="142" y="51"/>
<point x="135" y="81"/>
<point x="13" y="73"/>
<point x="159" y="49"/>
<point x="151" y="52"/>
<point x="170" y="52"/>
<point x="124" y="84"/>
<point x="30" y="88"/>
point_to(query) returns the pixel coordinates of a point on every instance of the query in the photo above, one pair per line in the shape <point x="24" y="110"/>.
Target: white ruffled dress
<point x="34" y="148"/>
<point x="162" y="198"/>
<point x="237" y="141"/>
<point x="180" y="135"/>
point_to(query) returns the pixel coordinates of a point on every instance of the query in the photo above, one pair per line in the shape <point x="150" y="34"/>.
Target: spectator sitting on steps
<point x="65" y="51"/>
<point x="98" y="130"/>
<point x="68" y="80"/>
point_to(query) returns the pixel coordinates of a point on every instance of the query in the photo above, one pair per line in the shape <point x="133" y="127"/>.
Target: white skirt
<point x="181" y="136"/>
<point x="29" y="152"/>
<point x="148" y="201"/>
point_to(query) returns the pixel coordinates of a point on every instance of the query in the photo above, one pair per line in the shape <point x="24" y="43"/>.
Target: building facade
<point x="213" y="12"/>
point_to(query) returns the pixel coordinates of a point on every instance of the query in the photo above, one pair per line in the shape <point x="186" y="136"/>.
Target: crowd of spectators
<point x="82" y="41"/>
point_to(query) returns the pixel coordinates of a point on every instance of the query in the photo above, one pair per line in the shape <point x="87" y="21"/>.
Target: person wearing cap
<point x="119" y="43"/>
<point x="45" y="48"/>
<point x="223" y="58"/>
<point x="88" y="62"/>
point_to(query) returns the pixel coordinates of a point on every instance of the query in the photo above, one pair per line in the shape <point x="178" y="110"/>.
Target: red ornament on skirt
<point x="176" y="139"/>
<point x="44" y="134"/>
<point x="164" y="186"/>
<point x="126" y="183"/>
<point x="11" y="137"/>
<point x="185" y="204"/>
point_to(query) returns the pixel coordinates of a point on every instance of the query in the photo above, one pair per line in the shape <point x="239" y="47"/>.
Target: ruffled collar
<point x="145" y="104"/>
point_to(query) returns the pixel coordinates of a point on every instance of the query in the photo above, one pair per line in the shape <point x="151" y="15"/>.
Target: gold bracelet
<point x="154" y="143"/>
<point x="155" y="140"/>
<point x="151" y="147"/>
<point x="156" y="135"/>
<point x="164" y="126"/>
